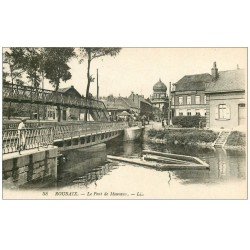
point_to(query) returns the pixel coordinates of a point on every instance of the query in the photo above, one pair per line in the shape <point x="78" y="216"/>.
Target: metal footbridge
<point x="27" y="94"/>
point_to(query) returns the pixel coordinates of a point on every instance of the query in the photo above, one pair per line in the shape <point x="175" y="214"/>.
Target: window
<point x="197" y="99"/>
<point x="188" y="99"/>
<point x="180" y="100"/>
<point x="197" y="112"/>
<point x="172" y="100"/>
<point x="189" y="112"/>
<point x="205" y="99"/>
<point x="222" y="111"/>
<point x="180" y="113"/>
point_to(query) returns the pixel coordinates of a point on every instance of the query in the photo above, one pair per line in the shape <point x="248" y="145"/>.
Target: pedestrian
<point x="162" y="123"/>
<point x="21" y="135"/>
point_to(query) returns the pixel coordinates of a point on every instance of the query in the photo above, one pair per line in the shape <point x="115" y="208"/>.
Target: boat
<point x="164" y="161"/>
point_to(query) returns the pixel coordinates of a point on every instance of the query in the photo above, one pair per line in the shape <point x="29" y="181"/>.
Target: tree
<point x="90" y="54"/>
<point x="31" y="64"/>
<point x="13" y="59"/>
<point x="56" y="68"/>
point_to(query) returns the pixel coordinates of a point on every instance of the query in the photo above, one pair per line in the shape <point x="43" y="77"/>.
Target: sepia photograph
<point x="124" y="123"/>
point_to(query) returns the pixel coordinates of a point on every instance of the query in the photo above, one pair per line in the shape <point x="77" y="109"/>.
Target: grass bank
<point x="236" y="140"/>
<point x="183" y="136"/>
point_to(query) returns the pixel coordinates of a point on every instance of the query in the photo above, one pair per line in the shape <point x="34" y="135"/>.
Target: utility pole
<point x="169" y="106"/>
<point x="97" y="94"/>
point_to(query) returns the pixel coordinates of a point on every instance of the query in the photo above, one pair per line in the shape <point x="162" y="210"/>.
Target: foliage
<point x="13" y="59"/>
<point x="55" y="66"/>
<point x="183" y="136"/>
<point x="31" y="64"/>
<point x="236" y="138"/>
<point x="189" y="121"/>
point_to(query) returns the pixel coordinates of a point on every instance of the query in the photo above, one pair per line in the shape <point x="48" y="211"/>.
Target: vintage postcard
<point x="124" y="123"/>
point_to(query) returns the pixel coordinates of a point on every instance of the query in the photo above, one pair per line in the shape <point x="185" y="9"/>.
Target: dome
<point x="160" y="86"/>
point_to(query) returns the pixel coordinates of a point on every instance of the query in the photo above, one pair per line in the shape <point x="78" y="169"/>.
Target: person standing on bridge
<point x="21" y="135"/>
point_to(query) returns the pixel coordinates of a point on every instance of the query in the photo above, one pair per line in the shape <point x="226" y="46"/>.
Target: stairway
<point x="222" y="139"/>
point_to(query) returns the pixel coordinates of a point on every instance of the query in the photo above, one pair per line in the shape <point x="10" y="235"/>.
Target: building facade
<point x="145" y="107"/>
<point x="134" y="104"/>
<point x="188" y="95"/>
<point x="226" y="99"/>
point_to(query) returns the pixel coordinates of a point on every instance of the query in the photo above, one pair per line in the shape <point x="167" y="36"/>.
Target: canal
<point x="225" y="179"/>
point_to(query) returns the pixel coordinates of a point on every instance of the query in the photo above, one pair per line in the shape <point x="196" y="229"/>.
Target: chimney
<point x="72" y="86"/>
<point x="238" y="66"/>
<point x="214" y="71"/>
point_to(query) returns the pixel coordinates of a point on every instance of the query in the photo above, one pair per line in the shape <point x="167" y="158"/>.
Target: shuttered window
<point x="222" y="112"/>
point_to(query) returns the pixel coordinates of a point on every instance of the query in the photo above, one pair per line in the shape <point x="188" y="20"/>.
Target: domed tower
<point x="159" y="98"/>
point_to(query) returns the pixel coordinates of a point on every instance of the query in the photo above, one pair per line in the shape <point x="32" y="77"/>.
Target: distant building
<point x="188" y="95"/>
<point x="134" y="104"/>
<point x="159" y="100"/>
<point x="226" y="99"/>
<point x="144" y="106"/>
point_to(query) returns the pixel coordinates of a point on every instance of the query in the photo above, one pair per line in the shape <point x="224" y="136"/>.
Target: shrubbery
<point x="189" y="121"/>
<point x="181" y="136"/>
<point x="236" y="138"/>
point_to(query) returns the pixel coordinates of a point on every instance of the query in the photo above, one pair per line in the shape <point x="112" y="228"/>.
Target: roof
<point x="130" y="103"/>
<point x="135" y="98"/>
<point x="228" y="81"/>
<point x="193" y="82"/>
<point x="70" y="90"/>
<point x="159" y="86"/>
<point x="63" y="90"/>
<point x="115" y="105"/>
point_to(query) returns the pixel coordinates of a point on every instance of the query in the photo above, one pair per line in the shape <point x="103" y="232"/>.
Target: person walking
<point x="162" y="123"/>
<point x="21" y="135"/>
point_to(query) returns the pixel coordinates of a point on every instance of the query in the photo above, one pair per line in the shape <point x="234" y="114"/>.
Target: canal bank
<point x="204" y="138"/>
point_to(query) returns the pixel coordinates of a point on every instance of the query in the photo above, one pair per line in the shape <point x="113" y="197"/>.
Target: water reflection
<point x="225" y="166"/>
<point x="93" y="176"/>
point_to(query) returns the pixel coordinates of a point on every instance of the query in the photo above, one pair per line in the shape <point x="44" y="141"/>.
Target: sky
<point x="138" y="69"/>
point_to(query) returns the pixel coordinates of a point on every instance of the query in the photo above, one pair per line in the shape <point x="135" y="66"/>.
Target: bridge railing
<point x="15" y="140"/>
<point x="18" y="93"/>
<point x="13" y="124"/>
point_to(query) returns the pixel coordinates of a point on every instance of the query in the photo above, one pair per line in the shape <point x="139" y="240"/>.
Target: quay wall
<point x="32" y="166"/>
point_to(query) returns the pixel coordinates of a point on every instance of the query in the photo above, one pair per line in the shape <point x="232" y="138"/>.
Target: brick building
<point x="188" y="95"/>
<point x="226" y="99"/>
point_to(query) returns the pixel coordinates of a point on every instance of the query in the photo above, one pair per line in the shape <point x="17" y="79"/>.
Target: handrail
<point x="17" y="140"/>
<point x="14" y="92"/>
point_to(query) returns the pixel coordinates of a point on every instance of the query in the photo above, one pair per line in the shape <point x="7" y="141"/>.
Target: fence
<point x="15" y="140"/>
